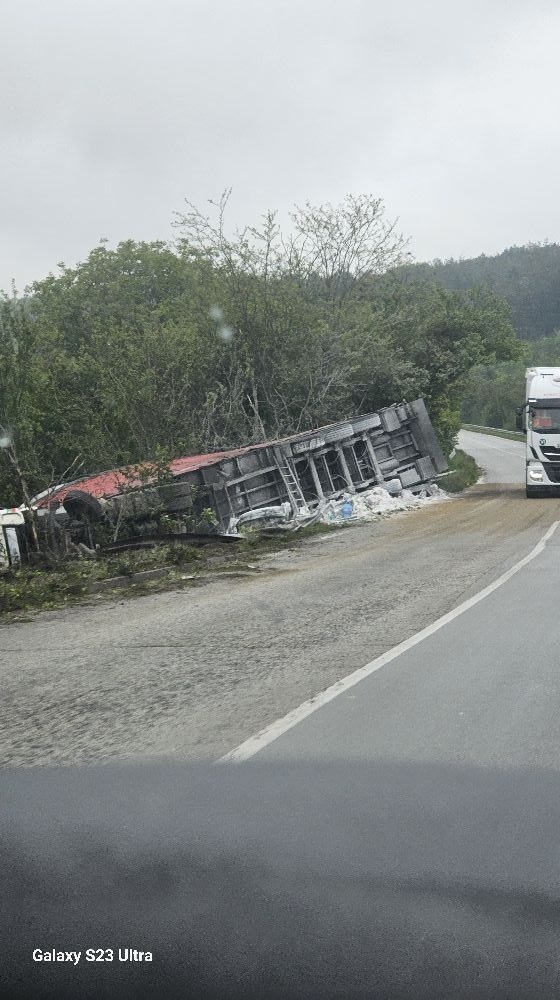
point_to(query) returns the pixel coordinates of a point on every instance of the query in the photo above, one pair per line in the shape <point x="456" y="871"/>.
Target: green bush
<point x="464" y="472"/>
<point x="180" y="554"/>
<point x="124" y="568"/>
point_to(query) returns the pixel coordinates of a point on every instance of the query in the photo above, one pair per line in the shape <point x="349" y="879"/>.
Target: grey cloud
<point x="114" y="112"/>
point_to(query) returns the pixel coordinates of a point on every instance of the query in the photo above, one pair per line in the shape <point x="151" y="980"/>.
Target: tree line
<point x="493" y="391"/>
<point x="527" y="277"/>
<point x="152" y="350"/>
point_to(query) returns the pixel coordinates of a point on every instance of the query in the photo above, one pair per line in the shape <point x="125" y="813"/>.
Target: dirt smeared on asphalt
<point x="191" y="674"/>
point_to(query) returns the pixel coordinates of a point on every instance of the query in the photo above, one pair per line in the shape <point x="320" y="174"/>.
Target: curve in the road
<point x="501" y="460"/>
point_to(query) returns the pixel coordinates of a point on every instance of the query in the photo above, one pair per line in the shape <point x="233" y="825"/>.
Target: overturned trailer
<point x="397" y="444"/>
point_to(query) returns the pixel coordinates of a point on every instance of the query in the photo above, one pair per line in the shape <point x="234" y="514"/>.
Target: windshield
<point x="545" y="419"/>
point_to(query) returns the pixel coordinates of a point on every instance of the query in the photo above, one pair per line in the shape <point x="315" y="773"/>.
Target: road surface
<point x="194" y="674"/>
<point x="501" y="460"/>
<point x="483" y="689"/>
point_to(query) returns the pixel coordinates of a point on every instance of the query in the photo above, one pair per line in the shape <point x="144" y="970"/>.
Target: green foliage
<point x="424" y="341"/>
<point x="494" y="391"/>
<point x="545" y="351"/>
<point x="35" y="588"/>
<point x="123" y="567"/>
<point x="528" y="278"/>
<point x="28" y="589"/>
<point x="180" y="554"/>
<point x="463" y="472"/>
<point x="151" y="351"/>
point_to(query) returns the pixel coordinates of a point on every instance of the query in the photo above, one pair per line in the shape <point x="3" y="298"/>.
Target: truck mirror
<point x="519" y="410"/>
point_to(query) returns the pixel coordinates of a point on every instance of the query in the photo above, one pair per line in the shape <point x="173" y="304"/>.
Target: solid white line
<point x="504" y="451"/>
<point x="506" y="446"/>
<point x="255" y="743"/>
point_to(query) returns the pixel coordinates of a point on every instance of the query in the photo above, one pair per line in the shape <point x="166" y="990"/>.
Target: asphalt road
<point x="501" y="460"/>
<point x="483" y="689"/>
<point x="193" y="674"/>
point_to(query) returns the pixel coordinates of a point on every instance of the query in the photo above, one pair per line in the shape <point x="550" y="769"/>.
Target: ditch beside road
<point x="191" y="674"/>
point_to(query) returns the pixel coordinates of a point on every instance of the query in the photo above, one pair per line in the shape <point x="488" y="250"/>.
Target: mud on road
<point x="192" y="674"/>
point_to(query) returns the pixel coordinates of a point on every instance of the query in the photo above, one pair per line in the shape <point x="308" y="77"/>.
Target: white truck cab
<point x="539" y="417"/>
<point x="10" y="519"/>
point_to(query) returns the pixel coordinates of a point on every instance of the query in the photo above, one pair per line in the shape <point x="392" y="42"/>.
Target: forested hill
<point x="527" y="277"/>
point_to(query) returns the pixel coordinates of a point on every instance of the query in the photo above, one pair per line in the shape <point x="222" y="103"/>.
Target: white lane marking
<point x="494" y="447"/>
<point x="511" y="451"/>
<point x="255" y="743"/>
<point x="512" y="442"/>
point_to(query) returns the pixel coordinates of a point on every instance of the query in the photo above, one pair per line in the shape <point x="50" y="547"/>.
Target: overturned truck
<point x="395" y="446"/>
<point x="397" y="442"/>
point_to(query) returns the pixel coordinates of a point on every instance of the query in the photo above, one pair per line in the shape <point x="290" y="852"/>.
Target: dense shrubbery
<point x="218" y="341"/>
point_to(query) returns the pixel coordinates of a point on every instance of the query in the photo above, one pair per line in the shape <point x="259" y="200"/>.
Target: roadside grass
<point x="32" y="589"/>
<point x="28" y="590"/>
<point x="495" y="432"/>
<point x="463" y="472"/>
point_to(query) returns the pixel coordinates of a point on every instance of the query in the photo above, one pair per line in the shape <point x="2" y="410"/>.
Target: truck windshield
<point x="546" y="420"/>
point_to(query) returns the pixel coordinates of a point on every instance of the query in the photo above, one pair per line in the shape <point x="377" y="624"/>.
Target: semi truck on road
<point x="539" y="418"/>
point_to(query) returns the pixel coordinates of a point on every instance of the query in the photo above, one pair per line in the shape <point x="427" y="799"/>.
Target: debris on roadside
<point x="378" y="502"/>
<point x="366" y="506"/>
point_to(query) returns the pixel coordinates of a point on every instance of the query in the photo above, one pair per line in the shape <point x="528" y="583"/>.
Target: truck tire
<point x="78" y="503"/>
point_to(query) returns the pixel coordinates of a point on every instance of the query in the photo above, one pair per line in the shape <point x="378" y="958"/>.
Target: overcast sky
<point x="115" y="111"/>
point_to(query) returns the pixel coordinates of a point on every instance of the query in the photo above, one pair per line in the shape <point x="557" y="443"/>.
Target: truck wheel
<point x="77" y="503"/>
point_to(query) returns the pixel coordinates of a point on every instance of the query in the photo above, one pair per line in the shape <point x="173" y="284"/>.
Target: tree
<point x="528" y="278"/>
<point x="341" y="244"/>
<point x="283" y="297"/>
<point x="420" y="340"/>
<point x="24" y="382"/>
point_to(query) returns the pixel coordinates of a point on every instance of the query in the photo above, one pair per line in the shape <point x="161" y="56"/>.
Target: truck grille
<point x="553" y="472"/>
<point x="550" y="452"/>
